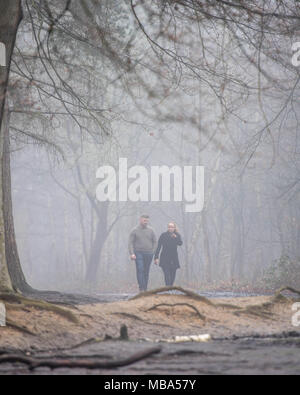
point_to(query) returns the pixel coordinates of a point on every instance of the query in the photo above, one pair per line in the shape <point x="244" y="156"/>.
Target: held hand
<point x="133" y="257"/>
<point x="174" y="236"/>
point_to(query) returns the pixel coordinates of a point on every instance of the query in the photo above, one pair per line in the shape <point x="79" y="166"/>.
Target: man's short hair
<point x="145" y="216"/>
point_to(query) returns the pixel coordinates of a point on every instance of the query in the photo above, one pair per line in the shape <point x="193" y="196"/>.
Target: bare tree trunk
<point x="10" y="18"/>
<point x="5" y="281"/>
<point x="12" y="257"/>
<point x="95" y="256"/>
<point x="207" y="247"/>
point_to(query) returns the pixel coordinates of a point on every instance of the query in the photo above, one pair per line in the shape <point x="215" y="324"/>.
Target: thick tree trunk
<point x="5" y="281"/>
<point x="10" y="18"/>
<point x="12" y="257"/>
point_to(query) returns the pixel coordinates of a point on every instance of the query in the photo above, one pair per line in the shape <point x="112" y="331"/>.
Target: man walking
<point x="142" y="244"/>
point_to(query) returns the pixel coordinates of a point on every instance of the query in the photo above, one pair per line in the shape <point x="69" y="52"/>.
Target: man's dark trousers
<point x="143" y="262"/>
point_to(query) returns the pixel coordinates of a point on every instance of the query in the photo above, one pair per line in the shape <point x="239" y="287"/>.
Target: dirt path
<point x="242" y="329"/>
<point x="243" y="356"/>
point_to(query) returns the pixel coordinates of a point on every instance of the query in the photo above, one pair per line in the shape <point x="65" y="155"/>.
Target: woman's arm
<point x="158" y="247"/>
<point x="178" y="239"/>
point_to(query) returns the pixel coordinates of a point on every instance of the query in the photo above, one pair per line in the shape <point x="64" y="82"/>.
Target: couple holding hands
<point x="143" y="246"/>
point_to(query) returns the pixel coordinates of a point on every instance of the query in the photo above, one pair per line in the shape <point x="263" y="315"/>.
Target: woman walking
<point x="169" y="261"/>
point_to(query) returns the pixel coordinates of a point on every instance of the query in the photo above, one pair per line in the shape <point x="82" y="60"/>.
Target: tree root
<point x="201" y="316"/>
<point x="16" y="307"/>
<point x="79" y="363"/>
<point x="23" y="329"/>
<point x="257" y="311"/>
<point x="279" y="298"/>
<point x="228" y="306"/>
<point x="137" y="318"/>
<point x="20" y="302"/>
<point x="186" y="292"/>
<point x="60" y="298"/>
<point x="264" y="310"/>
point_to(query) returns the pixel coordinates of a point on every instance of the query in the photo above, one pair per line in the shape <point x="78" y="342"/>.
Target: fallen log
<point x="79" y="363"/>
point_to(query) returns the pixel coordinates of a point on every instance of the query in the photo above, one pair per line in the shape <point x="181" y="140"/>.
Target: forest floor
<point x="259" y="327"/>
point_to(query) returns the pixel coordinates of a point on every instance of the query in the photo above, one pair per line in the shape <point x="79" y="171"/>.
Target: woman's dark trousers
<point x="170" y="274"/>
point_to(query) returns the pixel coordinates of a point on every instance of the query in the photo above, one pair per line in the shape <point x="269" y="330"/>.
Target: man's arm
<point x="154" y="241"/>
<point x="131" y="243"/>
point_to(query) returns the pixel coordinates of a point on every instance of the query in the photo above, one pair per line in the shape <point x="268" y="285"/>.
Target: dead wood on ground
<point x="186" y="292"/>
<point x="78" y="363"/>
<point x="137" y="318"/>
<point x="201" y="316"/>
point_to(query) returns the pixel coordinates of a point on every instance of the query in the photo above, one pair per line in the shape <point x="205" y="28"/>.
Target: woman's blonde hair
<point x="174" y="223"/>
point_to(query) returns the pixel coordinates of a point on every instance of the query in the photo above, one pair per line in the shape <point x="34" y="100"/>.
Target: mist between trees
<point x="175" y="83"/>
